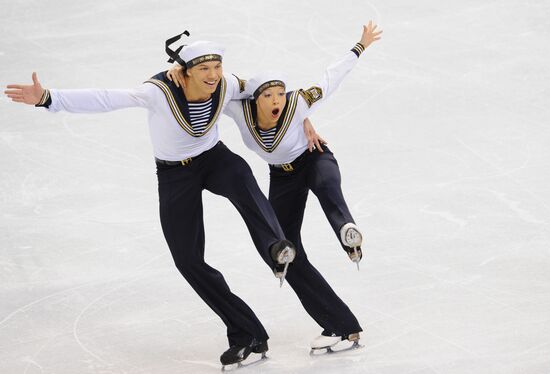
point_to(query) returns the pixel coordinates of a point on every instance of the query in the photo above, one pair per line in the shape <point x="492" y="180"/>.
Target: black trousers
<point x="224" y="173"/>
<point x="288" y="192"/>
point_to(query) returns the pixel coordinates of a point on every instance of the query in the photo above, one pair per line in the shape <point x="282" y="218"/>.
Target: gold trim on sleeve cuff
<point x="44" y="98"/>
<point x="358" y="49"/>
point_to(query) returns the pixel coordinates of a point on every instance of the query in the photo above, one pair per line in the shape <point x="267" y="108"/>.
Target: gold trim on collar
<point x="291" y="109"/>
<point x="177" y="112"/>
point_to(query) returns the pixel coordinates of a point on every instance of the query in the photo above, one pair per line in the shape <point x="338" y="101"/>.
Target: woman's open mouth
<point x="275" y="112"/>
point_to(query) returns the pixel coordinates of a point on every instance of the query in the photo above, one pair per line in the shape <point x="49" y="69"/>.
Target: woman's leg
<point x="324" y="180"/>
<point x="288" y="194"/>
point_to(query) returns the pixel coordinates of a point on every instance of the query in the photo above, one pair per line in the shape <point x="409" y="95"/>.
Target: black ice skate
<point x="324" y="344"/>
<point x="238" y="353"/>
<point x="352" y="239"/>
<point x="283" y="253"/>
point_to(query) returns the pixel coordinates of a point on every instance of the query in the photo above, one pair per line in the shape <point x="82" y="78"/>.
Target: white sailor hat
<point x="201" y="51"/>
<point x="264" y="80"/>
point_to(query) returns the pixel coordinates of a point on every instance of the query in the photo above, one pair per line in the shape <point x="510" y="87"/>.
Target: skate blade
<point x="333" y="349"/>
<point x="282" y="279"/>
<point x="355" y="257"/>
<point x="243" y="364"/>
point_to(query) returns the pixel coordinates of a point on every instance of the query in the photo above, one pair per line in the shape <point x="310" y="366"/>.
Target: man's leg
<point x="181" y="213"/>
<point x="233" y="179"/>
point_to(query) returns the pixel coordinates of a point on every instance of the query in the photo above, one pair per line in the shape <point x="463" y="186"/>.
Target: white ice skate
<point x="351" y="237"/>
<point x="325" y="344"/>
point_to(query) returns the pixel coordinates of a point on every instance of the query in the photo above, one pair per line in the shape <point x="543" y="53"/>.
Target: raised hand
<point x="370" y="34"/>
<point x="28" y="94"/>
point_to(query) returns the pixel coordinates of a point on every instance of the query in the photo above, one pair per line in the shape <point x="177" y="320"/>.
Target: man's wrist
<point x="45" y="100"/>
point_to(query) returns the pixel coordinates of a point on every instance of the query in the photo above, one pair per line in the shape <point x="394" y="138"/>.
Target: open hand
<point x="28" y="94"/>
<point x="370" y="34"/>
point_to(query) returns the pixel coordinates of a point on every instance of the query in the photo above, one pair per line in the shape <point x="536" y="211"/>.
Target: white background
<point x="443" y="142"/>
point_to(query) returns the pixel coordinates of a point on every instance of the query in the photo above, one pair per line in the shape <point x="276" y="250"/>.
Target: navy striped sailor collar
<point x="283" y="123"/>
<point x="179" y="104"/>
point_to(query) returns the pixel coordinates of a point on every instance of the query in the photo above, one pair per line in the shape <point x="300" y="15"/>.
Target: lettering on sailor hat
<point x="263" y="81"/>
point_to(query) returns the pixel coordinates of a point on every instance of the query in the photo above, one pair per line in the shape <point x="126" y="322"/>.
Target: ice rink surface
<point x="443" y="139"/>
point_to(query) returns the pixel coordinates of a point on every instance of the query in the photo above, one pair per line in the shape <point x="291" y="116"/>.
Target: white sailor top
<point x="289" y="140"/>
<point x="172" y="135"/>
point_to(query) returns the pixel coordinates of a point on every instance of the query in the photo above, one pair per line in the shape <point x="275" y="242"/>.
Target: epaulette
<point x="312" y="95"/>
<point x="242" y="83"/>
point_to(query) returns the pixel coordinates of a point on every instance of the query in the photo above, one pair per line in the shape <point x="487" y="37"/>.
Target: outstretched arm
<point x="336" y="72"/>
<point x="79" y="101"/>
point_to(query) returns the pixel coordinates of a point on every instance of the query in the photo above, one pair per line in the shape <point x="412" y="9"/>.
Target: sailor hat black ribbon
<point x="194" y="53"/>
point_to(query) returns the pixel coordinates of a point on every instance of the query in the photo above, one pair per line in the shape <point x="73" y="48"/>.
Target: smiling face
<point x="203" y="79"/>
<point x="270" y="105"/>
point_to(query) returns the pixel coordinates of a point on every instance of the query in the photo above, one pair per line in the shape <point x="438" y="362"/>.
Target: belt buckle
<point x="186" y="161"/>
<point x="287" y="167"/>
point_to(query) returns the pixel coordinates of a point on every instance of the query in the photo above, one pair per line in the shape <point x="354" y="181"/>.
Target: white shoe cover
<point x="350" y="235"/>
<point x="325" y="341"/>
